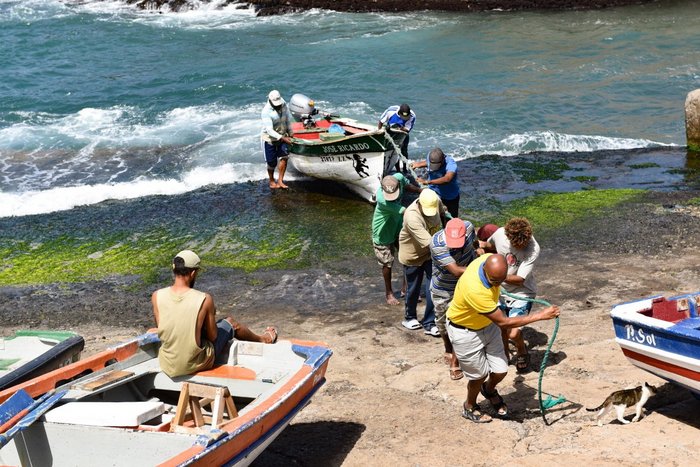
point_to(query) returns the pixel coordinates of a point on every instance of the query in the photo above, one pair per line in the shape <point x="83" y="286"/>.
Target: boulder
<point x="692" y="120"/>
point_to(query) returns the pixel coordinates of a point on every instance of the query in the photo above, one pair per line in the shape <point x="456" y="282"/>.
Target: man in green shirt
<point x="386" y="225"/>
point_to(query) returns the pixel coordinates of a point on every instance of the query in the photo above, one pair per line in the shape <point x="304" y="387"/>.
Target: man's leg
<point x="414" y="280"/>
<point x="282" y="170"/>
<point x="242" y="332"/>
<point x="270" y="156"/>
<point x="429" y="316"/>
<point x="388" y="290"/>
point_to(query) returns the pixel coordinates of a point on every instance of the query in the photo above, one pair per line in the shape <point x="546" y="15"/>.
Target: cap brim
<point x="434" y="166"/>
<point x="455" y="242"/>
<point x="391" y="196"/>
<point x="429" y="211"/>
<point x="277" y="102"/>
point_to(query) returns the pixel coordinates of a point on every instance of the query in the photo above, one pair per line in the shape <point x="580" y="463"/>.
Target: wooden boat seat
<point x="195" y="396"/>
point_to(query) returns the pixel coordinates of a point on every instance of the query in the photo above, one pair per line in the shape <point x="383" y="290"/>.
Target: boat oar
<point x="549" y="402"/>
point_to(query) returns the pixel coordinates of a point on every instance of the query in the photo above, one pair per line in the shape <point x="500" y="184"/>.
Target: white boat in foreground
<point x="117" y="407"/>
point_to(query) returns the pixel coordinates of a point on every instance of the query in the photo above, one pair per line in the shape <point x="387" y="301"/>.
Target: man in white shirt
<point x="276" y="136"/>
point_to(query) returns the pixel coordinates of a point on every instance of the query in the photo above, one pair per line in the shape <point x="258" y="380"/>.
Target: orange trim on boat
<point x="228" y="371"/>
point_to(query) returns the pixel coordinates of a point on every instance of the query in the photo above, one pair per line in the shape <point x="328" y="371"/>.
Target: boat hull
<point x="272" y="381"/>
<point x="659" y="342"/>
<point x="37" y="352"/>
<point x="358" y="159"/>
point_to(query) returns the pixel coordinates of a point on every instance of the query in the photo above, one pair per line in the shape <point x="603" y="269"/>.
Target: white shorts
<point x="479" y="352"/>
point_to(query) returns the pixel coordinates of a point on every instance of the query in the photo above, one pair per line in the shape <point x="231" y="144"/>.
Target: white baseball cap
<point x="275" y="98"/>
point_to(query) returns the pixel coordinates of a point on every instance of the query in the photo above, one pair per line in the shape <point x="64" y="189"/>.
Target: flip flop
<point x="499" y="406"/>
<point x="272" y="332"/>
<point x="456" y="373"/>
<point x="475" y="415"/>
<point x="522" y="363"/>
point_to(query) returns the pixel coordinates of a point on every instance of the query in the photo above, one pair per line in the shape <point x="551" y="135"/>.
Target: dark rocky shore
<point x="275" y="7"/>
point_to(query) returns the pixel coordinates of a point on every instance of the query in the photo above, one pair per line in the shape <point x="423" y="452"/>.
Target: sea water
<point x="99" y="100"/>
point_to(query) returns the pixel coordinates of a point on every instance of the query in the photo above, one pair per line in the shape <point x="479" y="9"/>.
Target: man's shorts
<point x="385" y="254"/>
<point x="273" y="152"/>
<point x="441" y="305"/>
<point x="224" y="334"/>
<point x="479" y="352"/>
<point x="516" y="308"/>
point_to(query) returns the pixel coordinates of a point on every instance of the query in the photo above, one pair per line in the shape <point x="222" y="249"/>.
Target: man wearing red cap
<point x="451" y="250"/>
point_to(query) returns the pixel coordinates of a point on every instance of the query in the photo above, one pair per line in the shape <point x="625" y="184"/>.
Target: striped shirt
<point x="275" y="125"/>
<point x="443" y="283"/>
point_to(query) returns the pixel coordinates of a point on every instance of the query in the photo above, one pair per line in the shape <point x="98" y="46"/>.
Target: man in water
<point x="191" y="338"/>
<point x="399" y="118"/>
<point x="276" y="136"/>
<point x="442" y="178"/>
<point x="516" y="243"/>
<point x="474" y="323"/>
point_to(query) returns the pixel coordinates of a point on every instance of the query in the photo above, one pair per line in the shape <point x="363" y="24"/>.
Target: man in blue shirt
<point x="276" y="136"/>
<point x="442" y="178"/>
<point x="399" y="119"/>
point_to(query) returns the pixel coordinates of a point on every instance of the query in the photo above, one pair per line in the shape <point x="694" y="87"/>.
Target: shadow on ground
<point x="312" y="444"/>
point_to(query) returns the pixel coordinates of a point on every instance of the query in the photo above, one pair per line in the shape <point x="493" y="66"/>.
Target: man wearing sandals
<point x="451" y="250"/>
<point x="515" y="242"/>
<point x="474" y="323"/>
<point x="191" y="338"/>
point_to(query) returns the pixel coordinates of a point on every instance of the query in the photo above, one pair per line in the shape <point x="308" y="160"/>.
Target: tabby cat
<point x="623" y="399"/>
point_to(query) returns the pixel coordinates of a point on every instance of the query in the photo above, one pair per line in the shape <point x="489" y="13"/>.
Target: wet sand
<point x="388" y="397"/>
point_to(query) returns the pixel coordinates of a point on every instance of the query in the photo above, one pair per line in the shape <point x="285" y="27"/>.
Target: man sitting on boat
<point x="191" y="338"/>
<point x="277" y="129"/>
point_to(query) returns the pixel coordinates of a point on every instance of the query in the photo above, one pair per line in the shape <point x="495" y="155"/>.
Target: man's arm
<point x="447" y="178"/>
<point x="418" y="164"/>
<point x="206" y="320"/>
<point x="502" y="321"/>
<point x="154" y="302"/>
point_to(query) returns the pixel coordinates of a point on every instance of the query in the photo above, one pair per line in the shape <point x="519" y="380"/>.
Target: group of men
<point x="466" y="272"/>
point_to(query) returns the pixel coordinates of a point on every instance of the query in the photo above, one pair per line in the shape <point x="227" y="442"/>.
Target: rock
<point x="692" y="120"/>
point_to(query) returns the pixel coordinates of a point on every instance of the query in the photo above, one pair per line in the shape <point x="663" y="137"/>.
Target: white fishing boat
<point x="340" y="149"/>
<point x="118" y="408"/>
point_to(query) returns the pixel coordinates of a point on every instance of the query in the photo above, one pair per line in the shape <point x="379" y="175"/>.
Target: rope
<point x="402" y="157"/>
<point x="549" y="402"/>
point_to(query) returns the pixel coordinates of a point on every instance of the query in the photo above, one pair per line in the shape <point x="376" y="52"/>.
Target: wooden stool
<point x="194" y="396"/>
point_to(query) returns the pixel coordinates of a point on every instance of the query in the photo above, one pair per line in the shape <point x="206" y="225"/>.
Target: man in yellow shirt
<point x="474" y="328"/>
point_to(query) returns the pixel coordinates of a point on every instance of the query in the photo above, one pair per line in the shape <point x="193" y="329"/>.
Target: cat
<point x="623" y="399"/>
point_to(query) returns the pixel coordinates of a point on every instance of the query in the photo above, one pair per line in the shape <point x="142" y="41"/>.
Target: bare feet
<point x="391" y="300"/>
<point x="281" y="184"/>
<point x="269" y="336"/>
<point x="273" y="185"/>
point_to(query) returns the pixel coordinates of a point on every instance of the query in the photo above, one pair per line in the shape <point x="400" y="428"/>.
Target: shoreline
<point x="388" y="397"/>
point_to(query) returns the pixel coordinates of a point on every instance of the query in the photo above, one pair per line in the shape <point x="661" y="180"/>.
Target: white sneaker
<point x="433" y="331"/>
<point x="411" y="324"/>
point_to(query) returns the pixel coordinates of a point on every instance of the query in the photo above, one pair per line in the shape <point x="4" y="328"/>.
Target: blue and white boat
<point x="662" y="336"/>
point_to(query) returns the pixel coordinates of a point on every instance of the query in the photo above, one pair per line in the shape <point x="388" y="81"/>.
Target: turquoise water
<point x="102" y="101"/>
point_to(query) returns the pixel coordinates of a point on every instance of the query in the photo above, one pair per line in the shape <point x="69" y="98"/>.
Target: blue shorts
<point x="273" y="152"/>
<point x="519" y="308"/>
<point x="224" y="335"/>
